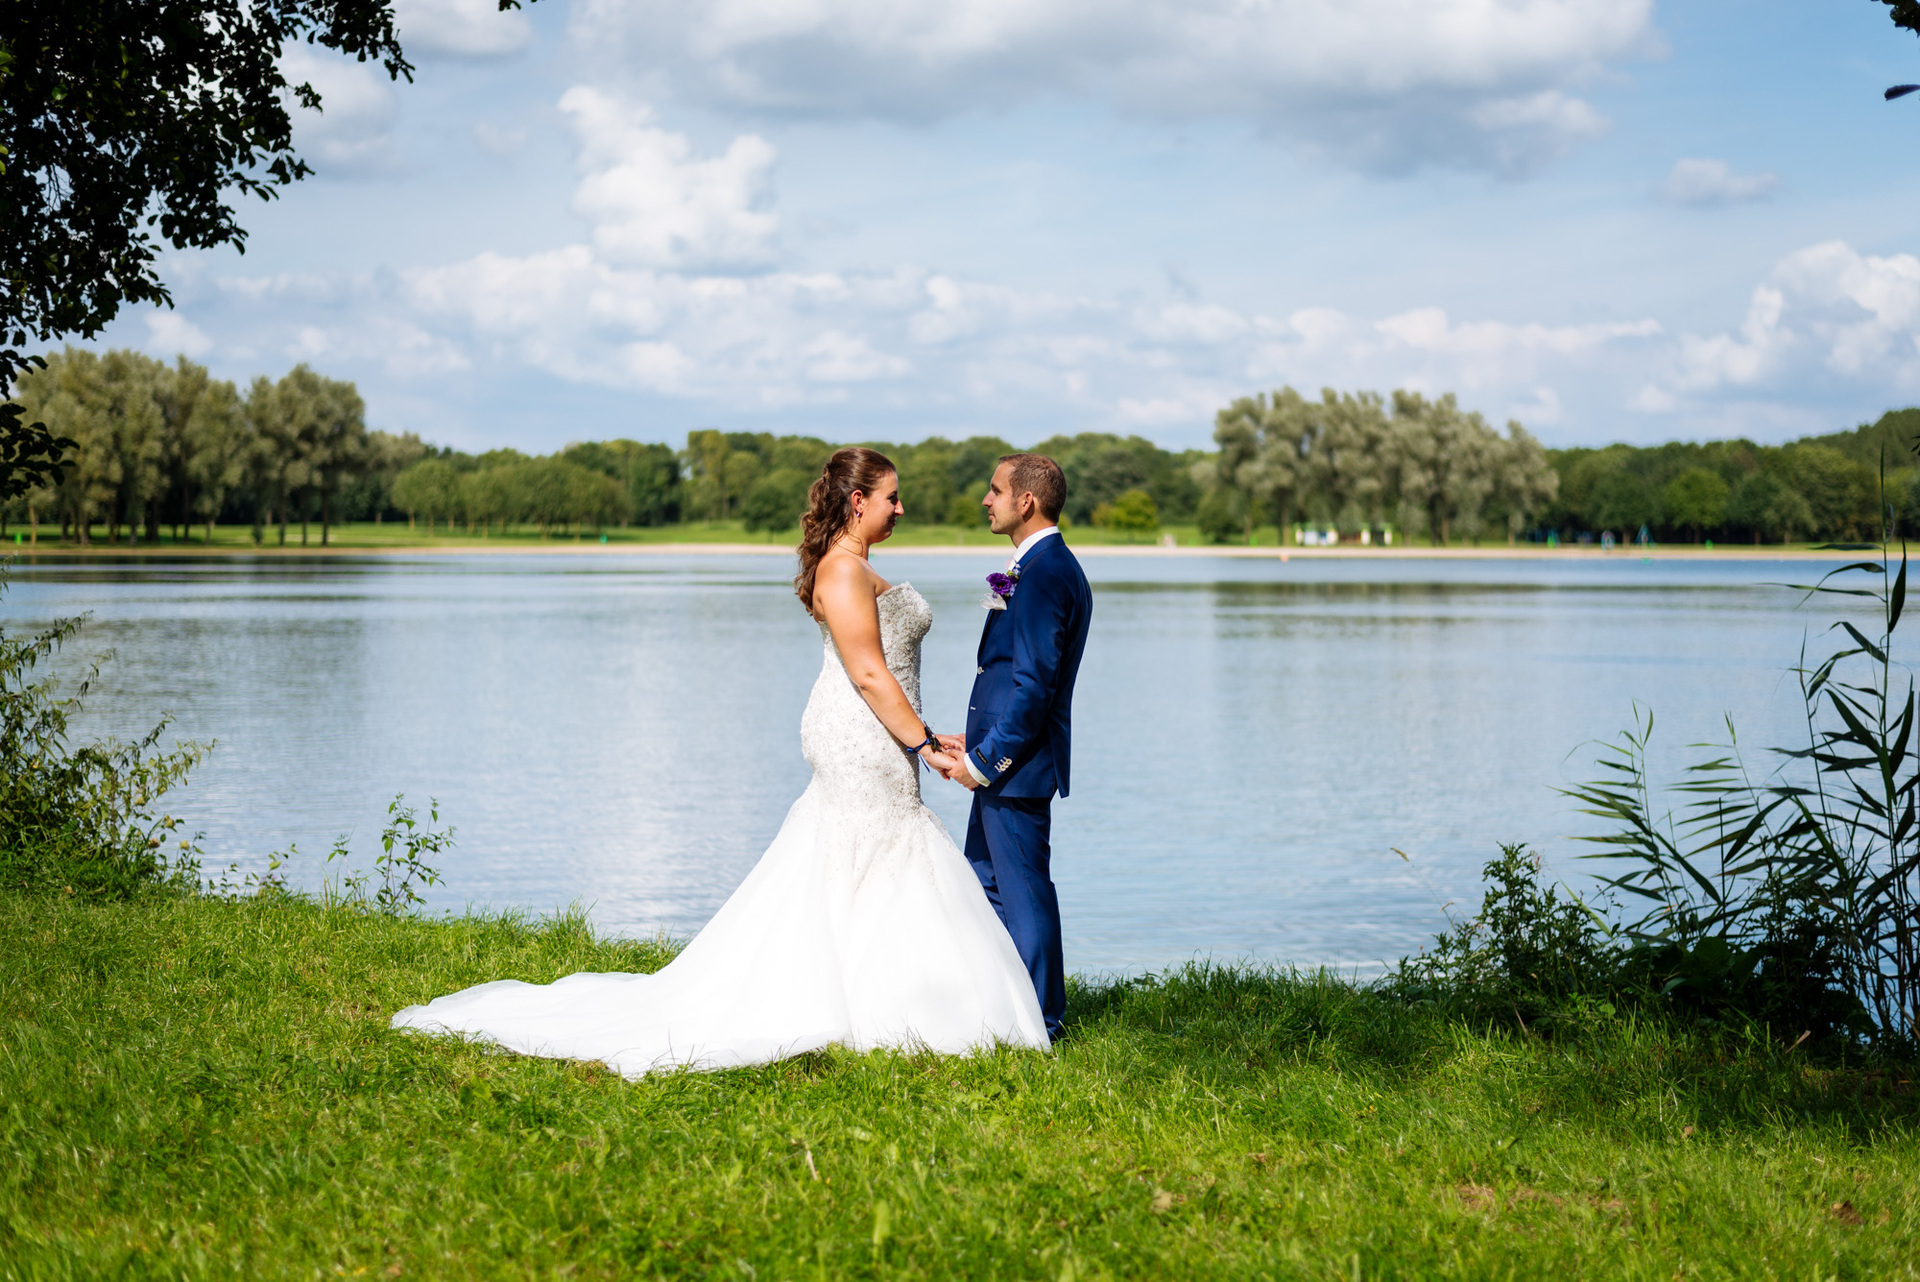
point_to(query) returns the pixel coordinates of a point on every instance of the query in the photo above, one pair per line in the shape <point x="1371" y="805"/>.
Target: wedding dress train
<point x="862" y="925"/>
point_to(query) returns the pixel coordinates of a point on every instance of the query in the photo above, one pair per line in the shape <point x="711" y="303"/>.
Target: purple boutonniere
<point x="1000" y="587"/>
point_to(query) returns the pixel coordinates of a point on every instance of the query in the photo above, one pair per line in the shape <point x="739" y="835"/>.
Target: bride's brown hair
<point x="830" y="505"/>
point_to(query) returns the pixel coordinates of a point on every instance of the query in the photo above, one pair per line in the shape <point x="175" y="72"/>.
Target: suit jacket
<point x="1020" y="714"/>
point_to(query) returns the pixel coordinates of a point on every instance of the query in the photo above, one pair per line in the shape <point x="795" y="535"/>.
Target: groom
<point x="1019" y="717"/>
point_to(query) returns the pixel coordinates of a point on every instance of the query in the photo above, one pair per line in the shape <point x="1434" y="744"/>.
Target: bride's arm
<point x="843" y="596"/>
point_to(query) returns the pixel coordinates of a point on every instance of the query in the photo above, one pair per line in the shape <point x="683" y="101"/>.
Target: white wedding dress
<point x="862" y="925"/>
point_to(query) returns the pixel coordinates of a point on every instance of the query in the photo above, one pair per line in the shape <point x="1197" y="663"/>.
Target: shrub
<point x="79" y="820"/>
<point x="1132" y="511"/>
<point x="1526" y="954"/>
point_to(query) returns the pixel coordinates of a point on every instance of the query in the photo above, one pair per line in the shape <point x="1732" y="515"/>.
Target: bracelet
<point x="929" y="742"/>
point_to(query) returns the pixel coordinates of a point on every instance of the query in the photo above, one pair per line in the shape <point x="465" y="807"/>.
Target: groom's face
<point x="1005" y="510"/>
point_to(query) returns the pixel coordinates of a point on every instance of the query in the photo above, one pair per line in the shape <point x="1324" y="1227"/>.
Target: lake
<point x="1253" y="738"/>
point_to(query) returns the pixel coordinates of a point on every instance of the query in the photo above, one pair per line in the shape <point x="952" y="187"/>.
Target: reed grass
<point x="207" y="1087"/>
<point x="1788" y="883"/>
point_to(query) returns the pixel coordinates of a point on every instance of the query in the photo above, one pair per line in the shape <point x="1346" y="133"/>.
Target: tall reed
<point x="1804" y="881"/>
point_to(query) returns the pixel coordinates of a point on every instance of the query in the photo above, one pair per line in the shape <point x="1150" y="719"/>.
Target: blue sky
<point x="1609" y="219"/>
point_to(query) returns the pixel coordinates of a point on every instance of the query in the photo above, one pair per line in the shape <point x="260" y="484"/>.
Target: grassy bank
<point x="208" y="1088"/>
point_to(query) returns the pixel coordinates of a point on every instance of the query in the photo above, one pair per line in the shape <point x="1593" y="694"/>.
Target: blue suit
<point x="1020" y="737"/>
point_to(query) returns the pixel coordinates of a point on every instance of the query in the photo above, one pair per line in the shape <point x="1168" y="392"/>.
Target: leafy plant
<point x="1526" y="954"/>
<point x="399" y="870"/>
<point x="79" y="819"/>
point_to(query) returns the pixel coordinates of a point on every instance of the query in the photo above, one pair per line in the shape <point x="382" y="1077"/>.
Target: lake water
<point x="1253" y="739"/>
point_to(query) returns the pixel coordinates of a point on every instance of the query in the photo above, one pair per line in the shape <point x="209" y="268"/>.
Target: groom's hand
<point x="954" y="743"/>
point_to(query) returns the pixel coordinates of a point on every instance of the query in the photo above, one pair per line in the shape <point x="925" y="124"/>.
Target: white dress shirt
<point x="1026" y="545"/>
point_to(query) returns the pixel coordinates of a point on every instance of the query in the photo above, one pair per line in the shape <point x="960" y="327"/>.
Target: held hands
<point x="949" y="762"/>
<point x="955" y="746"/>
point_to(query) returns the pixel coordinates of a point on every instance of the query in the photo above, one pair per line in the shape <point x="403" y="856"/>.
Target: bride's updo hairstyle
<point x="830" y="507"/>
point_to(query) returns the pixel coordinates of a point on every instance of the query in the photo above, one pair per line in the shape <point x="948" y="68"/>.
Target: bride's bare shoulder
<point x="844" y="580"/>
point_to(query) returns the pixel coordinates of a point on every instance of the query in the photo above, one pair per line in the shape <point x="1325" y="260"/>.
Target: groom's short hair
<point x="1040" y="476"/>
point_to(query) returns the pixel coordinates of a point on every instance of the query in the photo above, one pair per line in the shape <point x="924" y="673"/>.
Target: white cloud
<point x="786" y="338"/>
<point x="1825" y="311"/>
<point x="461" y="28"/>
<point x="170" y="333"/>
<point x="771" y="339"/>
<point x="679" y="292"/>
<point x="353" y="130"/>
<point x="653" y="204"/>
<point x="1198" y="405"/>
<point x="1423" y="347"/>
<point x="907" y="347"/>
<point x="1865" y="311"/>
<point x="1653" y="400"/>
<point x="1204" y="323"/>
<point x="1377" y="83"/>
<point x="1712" y="182"/>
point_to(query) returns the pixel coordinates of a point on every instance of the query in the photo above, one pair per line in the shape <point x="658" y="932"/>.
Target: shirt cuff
<point x="974" y="770"/>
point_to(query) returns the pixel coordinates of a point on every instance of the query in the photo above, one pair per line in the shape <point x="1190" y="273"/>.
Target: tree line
<point x="1353" y="461"/>
<point x="162" y="446"/>
<point x="1824" y="487"/>
<point x="761" y="480"/>
<point x="158" y="445"/>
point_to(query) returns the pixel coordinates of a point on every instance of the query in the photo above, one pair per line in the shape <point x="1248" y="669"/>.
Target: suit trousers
<point x="1009" y="846"/>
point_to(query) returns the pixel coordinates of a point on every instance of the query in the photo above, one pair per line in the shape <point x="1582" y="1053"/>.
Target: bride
<point x="863" y="924"/>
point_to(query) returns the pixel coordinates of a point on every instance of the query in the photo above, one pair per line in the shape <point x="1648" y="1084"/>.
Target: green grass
<point x="199" y="1088"/>
<point x="390" y="536"/>
<point x="394" y="536"/>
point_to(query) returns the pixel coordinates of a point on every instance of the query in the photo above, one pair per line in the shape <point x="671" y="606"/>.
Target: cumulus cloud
<point x="461" y="28"/>
<point x="910" y="346"/>
<point x="679" y="291"/>
<point x="1376" y="83"/>
<point x="771" y="339"/>
<point x="931" y="339"/>
<point x="1824" y="311"/>
<point x="653" y="203"/>
<point x="171" y="333"/>
<point x="1424" y="348"/>
<point x="353" y="130"/>
<point x="1712" y="182"/>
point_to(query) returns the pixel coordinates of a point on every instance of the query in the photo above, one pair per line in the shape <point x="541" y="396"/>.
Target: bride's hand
<point x="954" y="743"/>
<point x="944" y="764"/>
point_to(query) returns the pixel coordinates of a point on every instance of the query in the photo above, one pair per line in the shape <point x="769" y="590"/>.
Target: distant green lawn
<point x="394" y="536"/>
<point x="201" y="1088"/>
<point x="362" y="536"/>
